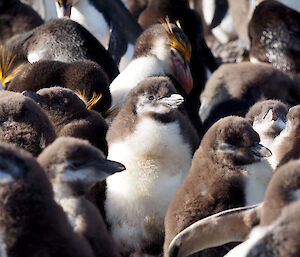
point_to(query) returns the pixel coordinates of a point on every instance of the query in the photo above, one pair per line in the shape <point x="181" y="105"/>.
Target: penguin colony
<point x="125" y="133"/>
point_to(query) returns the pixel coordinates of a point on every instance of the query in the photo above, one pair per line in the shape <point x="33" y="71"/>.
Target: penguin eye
<point x="75" y="165"/>
<point x="150" y="97"/>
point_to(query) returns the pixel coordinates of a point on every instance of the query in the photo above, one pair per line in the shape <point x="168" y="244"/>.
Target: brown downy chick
<point x="73" y="166"/>
<point x="24" y="123"/>
<point x="32" y="223"/>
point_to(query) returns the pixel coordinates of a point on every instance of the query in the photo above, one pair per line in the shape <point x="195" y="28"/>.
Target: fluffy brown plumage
<point x="24" y="123"/>
<point x="34" y="225"/>
<point x="70" y="116"/>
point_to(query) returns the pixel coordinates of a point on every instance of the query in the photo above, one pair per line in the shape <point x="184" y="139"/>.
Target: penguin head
<point x="64" y="7"/>
<point x="57" y="99"/>
<point x="293" y="120"/>
<point x="19" y="171"/>
<point x="155" y="97"/>
<point x="76" y="163"/>
<point x="234" y="142"/>
<point x="168" y="43"/>
<point x="268" y="117"/>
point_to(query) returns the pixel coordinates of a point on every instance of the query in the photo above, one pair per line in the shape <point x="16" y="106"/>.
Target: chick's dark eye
<point x="75" y="165"/>
<point x="150" y="97"/>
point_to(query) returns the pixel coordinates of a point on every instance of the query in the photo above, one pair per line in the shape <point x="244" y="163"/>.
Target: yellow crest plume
<point x="175" y="41"/>
<point x="7" y="60"/>
<point x="90" y="103"/>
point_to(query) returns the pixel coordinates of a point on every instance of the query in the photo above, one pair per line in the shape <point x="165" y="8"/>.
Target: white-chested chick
<point x="286" y="145"/>
<point x="228" y="171"/>
<point x="73" y="166"/>
<point x="268" y="119"/>
<point x="156" y="142"/>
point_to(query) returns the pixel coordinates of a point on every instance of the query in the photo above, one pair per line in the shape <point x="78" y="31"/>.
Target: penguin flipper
<point x="120" y="15"/>
<point x="117" y="44"/>
<point x="228" y="226"/>
<point x="219" y="14"/>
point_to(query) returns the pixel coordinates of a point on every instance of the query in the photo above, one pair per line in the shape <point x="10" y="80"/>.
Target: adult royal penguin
<point x="85" y="78"/>
<point x="109" y="21"/>
<point x="60" y="40"/>
<point x="155" y="141"/>
<point x="202" y="61"/>
<point x="70" y="117"/>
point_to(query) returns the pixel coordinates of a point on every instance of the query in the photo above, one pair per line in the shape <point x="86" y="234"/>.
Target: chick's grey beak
<point x="107" y="166"/>
<point x="174" y="101"/>
<point x="261" y="151"/>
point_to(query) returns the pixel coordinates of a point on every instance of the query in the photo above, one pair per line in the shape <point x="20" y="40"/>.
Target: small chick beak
<point x="108" y="167"/>
<point x="260" y="151"/>
<point x="183" y="74"/>
<point x="174" y="101"/>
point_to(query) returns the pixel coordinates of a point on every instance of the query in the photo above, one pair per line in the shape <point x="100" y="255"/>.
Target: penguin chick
<point x="268" y="119"/>
<point x="32" y="224"/>
<point x="279" y="231"/>
<point x="83" y="77"/>
<point x="234" y="88"/>
<point x="228" y="171"/>
<point x="73" y="166"/>
<point x="274" y="34"/>
<point x="159" y="51"/>
<point x="24" y="123"/>
<point x="286" y="145"/>
<point x="15" y="18"/>
<point x="61" y="40"/>
<point x="276" y="235"/>
<point x="155" y="141"/>
<point x="70" y="116"/>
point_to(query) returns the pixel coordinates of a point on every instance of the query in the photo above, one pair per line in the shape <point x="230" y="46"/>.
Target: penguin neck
<point x="89" y="17"/>
<point x="64" y="190"/>
<point x="257" y="177"/>
<point x="138" y="69"/>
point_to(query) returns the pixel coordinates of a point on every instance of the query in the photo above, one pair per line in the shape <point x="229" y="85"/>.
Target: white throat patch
<point x="257" y="179"/>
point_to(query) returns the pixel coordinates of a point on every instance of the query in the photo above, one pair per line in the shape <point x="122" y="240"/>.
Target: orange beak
<point x="183" y="74"/>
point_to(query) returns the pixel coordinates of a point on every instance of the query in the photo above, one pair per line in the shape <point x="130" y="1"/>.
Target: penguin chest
<point x="156" y="160"/>
<point x="93" y="20"/>
<point x="257" y="177"/>
<point x="71" y="207"/>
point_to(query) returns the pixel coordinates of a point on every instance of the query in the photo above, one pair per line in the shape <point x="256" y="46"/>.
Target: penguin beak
<point x="174" y="101"/>
<point x="260" y="151"/>
<point x="183" y="74"/>
<point x="108" y="167"/>
<point x="66" y="10"/>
